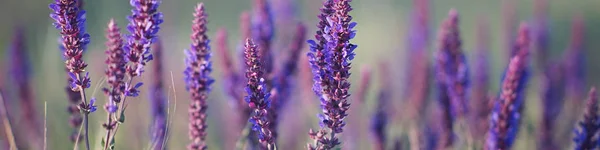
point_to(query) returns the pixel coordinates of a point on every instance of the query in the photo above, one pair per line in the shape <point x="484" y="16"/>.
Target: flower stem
<point x="122" y="107"/>
<point x="85" y="113"/>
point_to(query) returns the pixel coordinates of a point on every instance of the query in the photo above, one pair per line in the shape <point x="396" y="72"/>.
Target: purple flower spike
<point x="330" y="58"/>
<point x="197" y="79"/>
<point x="70" y="20"/>
<point x="451" y="75"/>
<point x="575" y="61"/>
<point x="258" y="97"/>
<point x="506" y="114"/>
<point x="115" y="75"/>
<point x="589" y="126"/>
<point x="262" y="32"/>
<point x="143" y="25"/>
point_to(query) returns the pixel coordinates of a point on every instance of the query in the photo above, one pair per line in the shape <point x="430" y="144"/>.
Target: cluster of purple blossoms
<point x="70" y="20"/>
<point x="451" y="75"/>
<point x="585" y="138"/>
<point x="143" y="25"/>
<point x="258" y="97"/>
<point x="330" y="61"/>
<point x="262" y="32"/>
<point x="506" y="113"/>
<point x="197" y="78"/>
<point x="115" y="75"/>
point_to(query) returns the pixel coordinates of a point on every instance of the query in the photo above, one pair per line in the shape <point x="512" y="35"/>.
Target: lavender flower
<point x="588" y="127"/>
<point x="20" y="74"/>
<point x="451" y="75"/>
<point x="197" y="78"/>
<point x="417" y="80"/>
<point x="143" y="25"/>
<point x="379" y="120"/>
<point x="575" y="59"/>
<point x="158" y="100"/>
<point x="229" y="70"/>
<point x="115" y="75"/>
<point x="506" y="114"/>
<point x="258" y="97"/>
<point x="553" y="91"/>
<point x="330" y="62"/>
<point x="70" y="20"/>
<point x="262" y="32"/>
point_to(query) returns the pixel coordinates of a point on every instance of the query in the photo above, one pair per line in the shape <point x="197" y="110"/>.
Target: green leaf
<point x="122" y="118"/>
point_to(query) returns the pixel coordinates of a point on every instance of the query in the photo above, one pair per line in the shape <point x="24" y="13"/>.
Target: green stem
<point x="85" y="114"/>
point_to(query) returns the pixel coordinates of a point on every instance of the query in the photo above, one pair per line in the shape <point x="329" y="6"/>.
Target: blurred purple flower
<point x="506" y="114"/>
<point x="452" y="75"/>
<point x="263" y="29"/>
<point x="585" y="138"/>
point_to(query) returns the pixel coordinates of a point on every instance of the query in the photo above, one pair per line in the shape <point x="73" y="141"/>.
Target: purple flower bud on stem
<point x="380" y="118"/>
<point x="70" y="20"/>
<point x="575" y="59"/>
<point x="506" y="114"/>
<point x="198" y="81"/>
<point x="589" y="126"/>
<point x="115" y="75"/>
<point x="258" y="97"/>
<point x="330" y="61"/>
<point x="143" y="26"/>
<point x="262" y="32"/>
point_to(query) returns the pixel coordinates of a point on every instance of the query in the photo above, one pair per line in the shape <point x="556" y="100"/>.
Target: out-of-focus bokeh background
<point x="382" y="31"/>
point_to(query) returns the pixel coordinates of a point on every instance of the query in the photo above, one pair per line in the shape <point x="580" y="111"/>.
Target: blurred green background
<point x="382" y="27"/>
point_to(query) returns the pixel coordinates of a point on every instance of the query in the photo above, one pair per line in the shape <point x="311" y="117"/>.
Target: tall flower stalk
<point x="143" y="26"/>
<point x="451" y="76"/>
<point x="506" y="114"/>
<point x="381" y="117"/>
<point x="258" y="96"/>
<point x="70" y="20"/>
<point x="158" y="100"/>
<point x="115" y="75"/>
<point x="197" y="79"/>
<point x="589" y="126"/>
<point x="330" y="60"/>
<point x="263" y="31"/>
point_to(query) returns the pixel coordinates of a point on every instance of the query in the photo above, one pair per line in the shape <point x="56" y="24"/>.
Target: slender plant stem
<point x="7" y="127"/>
<point x="107" y="141"/>
<point x="76" y="145"/>
<point x="122" y="107"/>
<point x="45" y="125"/>
<point x="85" y="114"/>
